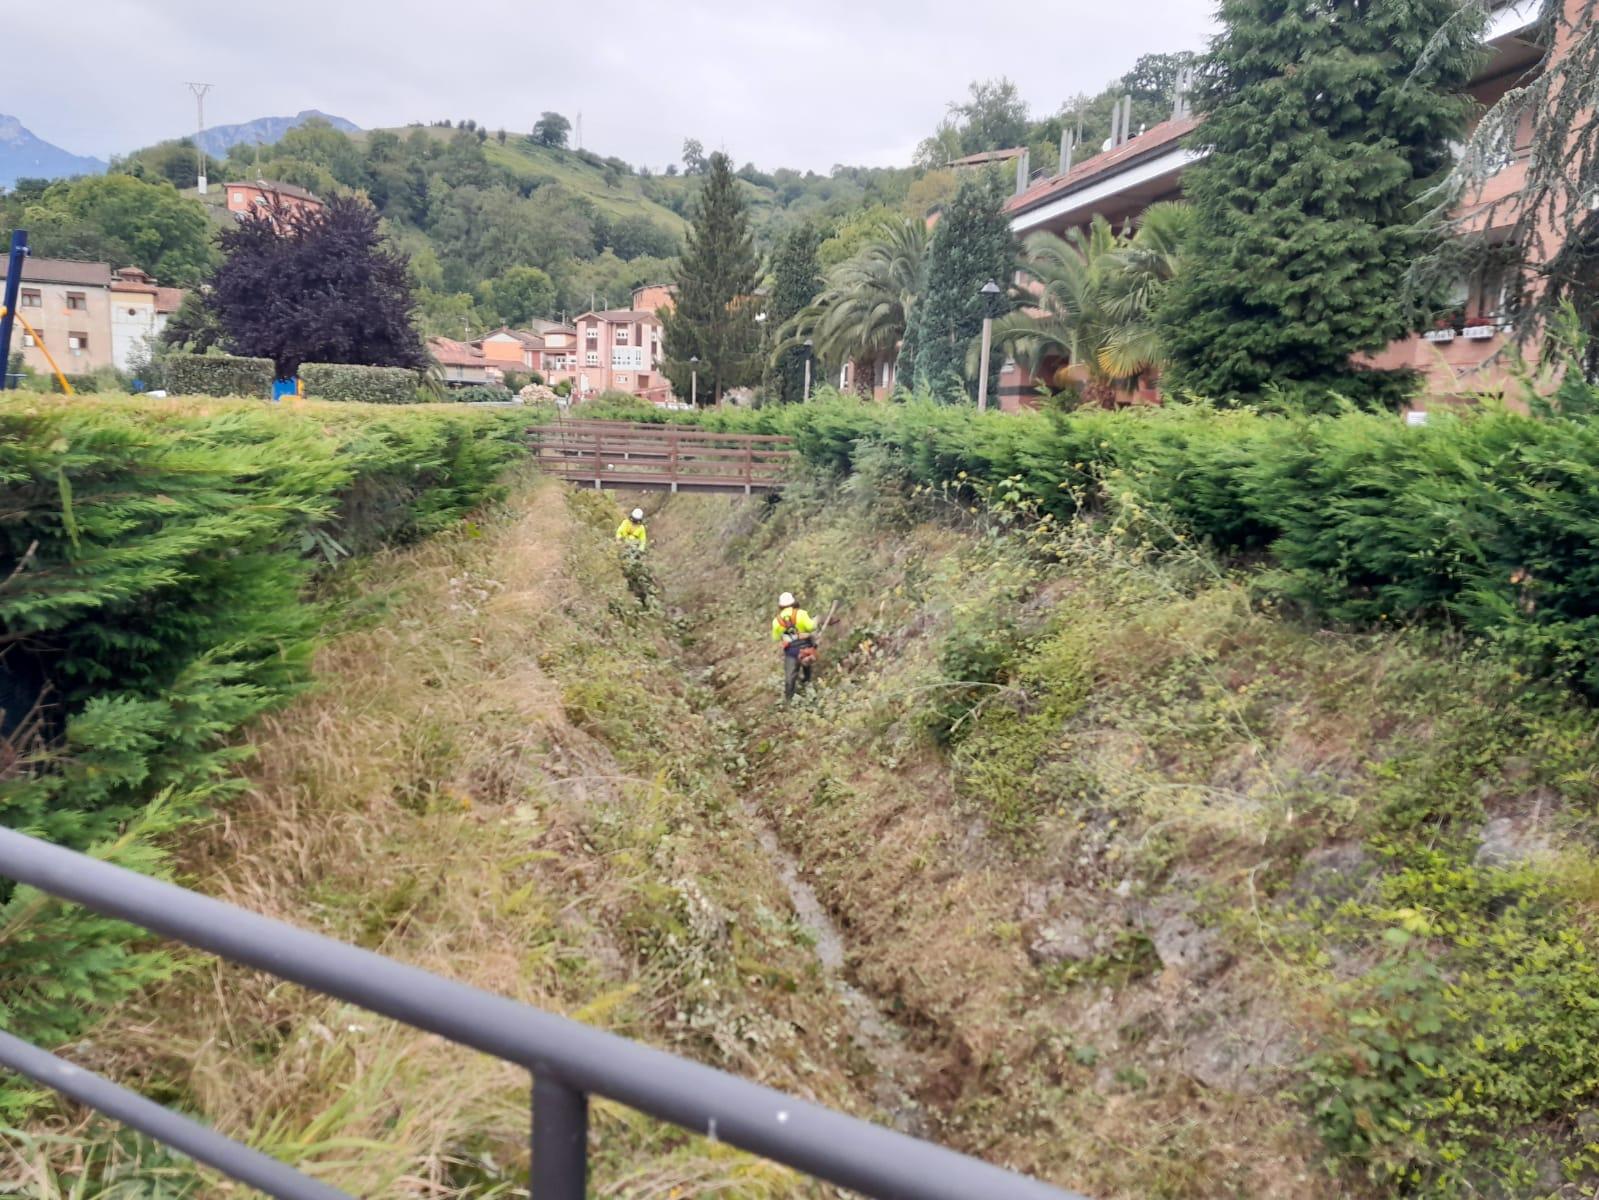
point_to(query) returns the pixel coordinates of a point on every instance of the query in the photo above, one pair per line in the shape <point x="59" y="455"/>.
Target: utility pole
<point x="8" y="309"/>
<point x="580" y="129"/>
<point x="199" y="90"/>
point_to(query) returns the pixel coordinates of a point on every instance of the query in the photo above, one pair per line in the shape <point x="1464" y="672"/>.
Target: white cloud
<point x="782" y="84"/>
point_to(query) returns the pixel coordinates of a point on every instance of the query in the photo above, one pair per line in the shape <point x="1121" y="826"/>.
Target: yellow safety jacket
<point x="628" y="531"/>
<point x="793" y="623"/>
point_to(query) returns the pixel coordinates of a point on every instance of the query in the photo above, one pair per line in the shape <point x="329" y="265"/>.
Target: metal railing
<point x="569" y="1061"/>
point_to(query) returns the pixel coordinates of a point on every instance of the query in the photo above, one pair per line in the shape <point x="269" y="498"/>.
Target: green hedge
<point x="218" y="375"/>
<point x="1488" y="519"/>
<point x="368" y="385"/>
<point x="156" y="558"/>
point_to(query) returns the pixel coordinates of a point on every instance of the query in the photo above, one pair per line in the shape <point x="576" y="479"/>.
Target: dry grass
<point x="1088" y="1084"/>
<point x="448" y="796"/>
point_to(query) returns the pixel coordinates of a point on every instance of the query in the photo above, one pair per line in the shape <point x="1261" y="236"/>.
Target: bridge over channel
<point x="676" y="458"/>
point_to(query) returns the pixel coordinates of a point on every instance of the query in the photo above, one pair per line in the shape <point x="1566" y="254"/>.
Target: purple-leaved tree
<point x="300" y="286"/>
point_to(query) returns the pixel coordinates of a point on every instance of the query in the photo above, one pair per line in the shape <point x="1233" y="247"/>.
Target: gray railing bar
<point x="199" y="1142"/>
<point x="560" y="1140"/>
<point x="817" y="1141"/>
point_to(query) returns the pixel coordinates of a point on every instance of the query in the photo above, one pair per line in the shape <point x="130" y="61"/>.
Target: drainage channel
<point x="896" y="1067"/>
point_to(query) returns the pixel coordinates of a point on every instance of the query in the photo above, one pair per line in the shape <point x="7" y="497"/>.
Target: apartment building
<point x="618" y="350"/>
<point x="140" y="309"/>
<point x="87" y="315"/>
<point x="1139" y="171"/>
<point x="68" y="306"/>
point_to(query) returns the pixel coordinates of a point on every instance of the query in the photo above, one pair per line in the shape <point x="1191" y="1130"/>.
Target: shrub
<point x="157" y="559"/>
<point x="1482" y="520"/>
<point x="218" y="375"/>
<point x="481" y="393"/>
<point x="367" y="385"/>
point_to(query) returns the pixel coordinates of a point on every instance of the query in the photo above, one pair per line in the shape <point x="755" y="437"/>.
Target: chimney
<point x="1180" y="106"/>
<point x="1024" y="169"/>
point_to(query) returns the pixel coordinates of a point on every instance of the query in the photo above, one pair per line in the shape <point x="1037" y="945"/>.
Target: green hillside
<point x="501" y="229"/>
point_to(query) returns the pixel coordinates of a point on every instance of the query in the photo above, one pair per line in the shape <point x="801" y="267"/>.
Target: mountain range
<point x="24" y="155"/>
<point x="219" y="139"/>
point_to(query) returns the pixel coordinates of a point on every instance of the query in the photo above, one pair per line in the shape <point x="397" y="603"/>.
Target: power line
<point x="199" y="90"/>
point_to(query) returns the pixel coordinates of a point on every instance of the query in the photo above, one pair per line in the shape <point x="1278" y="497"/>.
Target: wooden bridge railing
<point x="616" y="454"/>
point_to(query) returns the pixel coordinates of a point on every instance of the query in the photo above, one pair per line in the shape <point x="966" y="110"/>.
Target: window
<point x="77" y="342"/>
<point x="592" y="333"/>
<point x="623" y="335"/>
<point x="238" y="197"/>
<point x="623" y="380"/>
<point x="77" y="301"/>
<point x="591" y="359"/>
<point x="31" y="298"/>
<point x="27" y="340"/>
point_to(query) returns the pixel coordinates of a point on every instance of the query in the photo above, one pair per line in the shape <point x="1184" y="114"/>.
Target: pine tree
<point x="714" y="320"/>
<point x="796" y="281"/>
<point x="1327" y="121"/>
<point x="972" y="244"/>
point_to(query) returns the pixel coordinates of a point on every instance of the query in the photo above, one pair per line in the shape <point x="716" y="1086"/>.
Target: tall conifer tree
<point x="715" y="315"/>
<point x="796" y="280"/>
<point x="1327" y="121"/>
<point x="972" y="244"/>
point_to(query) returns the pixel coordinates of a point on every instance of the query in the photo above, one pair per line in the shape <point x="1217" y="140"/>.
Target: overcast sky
<point x="784" y="83"/>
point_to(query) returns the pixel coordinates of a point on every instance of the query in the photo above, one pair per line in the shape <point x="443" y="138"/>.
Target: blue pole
<point x="19" y="251"/>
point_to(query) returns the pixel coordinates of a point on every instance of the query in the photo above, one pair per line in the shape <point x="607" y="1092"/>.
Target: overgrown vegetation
<point x="547" y="816"/>
<point x="1479" y="520"/>
<point x="1184" y="898"/>
<point x="156" y="559"/>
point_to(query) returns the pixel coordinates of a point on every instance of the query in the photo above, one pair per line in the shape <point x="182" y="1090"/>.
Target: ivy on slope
<point x="155" y="561"/>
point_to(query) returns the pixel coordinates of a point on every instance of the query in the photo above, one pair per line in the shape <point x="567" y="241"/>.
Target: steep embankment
<point x="1175" y="897"/>
<point x="1084" y="861"/>
<point x="501" y="778"/>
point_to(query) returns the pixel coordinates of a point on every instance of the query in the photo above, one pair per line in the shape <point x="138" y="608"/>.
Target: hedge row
<point x="154" y="561"/>
<point x="217" y="375"/>
<point x="1488" y="519"/>
<point x="369" y="385"/>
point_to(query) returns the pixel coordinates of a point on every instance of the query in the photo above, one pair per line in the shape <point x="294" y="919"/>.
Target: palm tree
<point x="1097" y="293"/>
<point x="865" y="306"/>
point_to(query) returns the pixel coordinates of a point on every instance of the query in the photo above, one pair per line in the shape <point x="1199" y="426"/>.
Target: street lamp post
<point x="990" y="291"/>
<point x="809" y="352"/>
<point x="694" y="377"/>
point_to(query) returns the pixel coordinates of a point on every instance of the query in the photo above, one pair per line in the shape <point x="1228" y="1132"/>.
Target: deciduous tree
<point x="316" y="286"/>
<point x="552" y="129"/>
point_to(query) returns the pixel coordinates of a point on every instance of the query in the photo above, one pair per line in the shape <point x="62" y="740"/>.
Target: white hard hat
<point x="786" y="600"/>
<point x="638" y="514"/>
